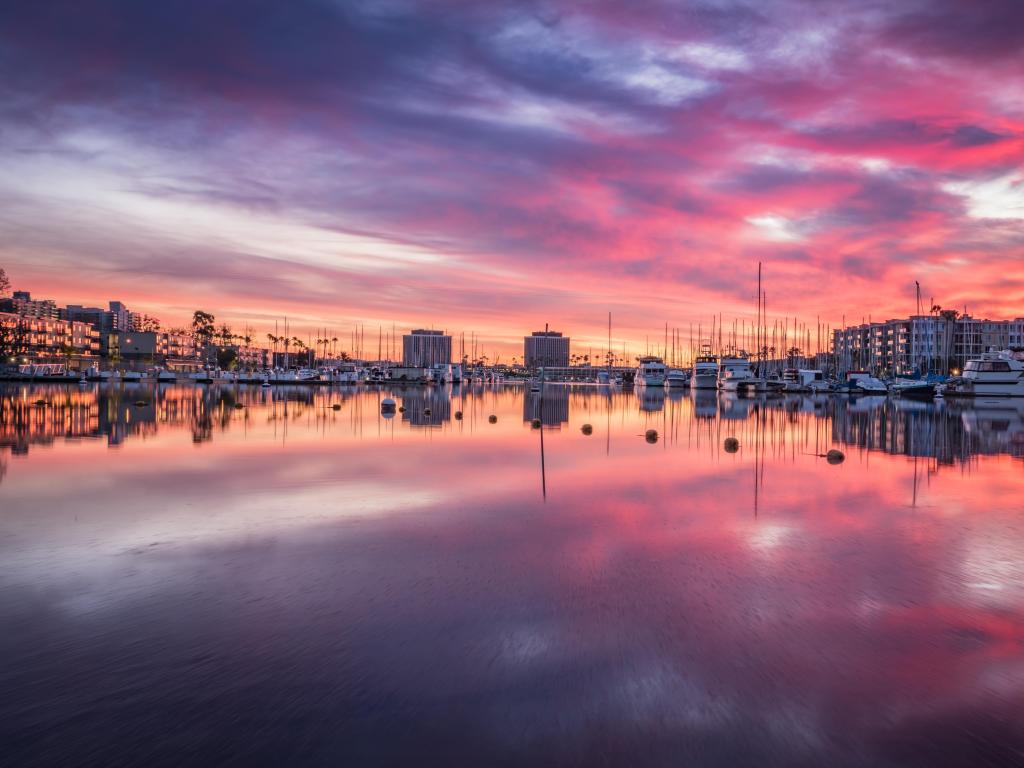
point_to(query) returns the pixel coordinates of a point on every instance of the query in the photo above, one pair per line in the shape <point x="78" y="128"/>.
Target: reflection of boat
<point x="652" y="398"/>
<point x="734" y="373"/>
<point x="650" y="372"/>
<point x="994" y="374"/>
<point x="705" y="370"/>
<point x="677" y="379"/>
<point x="705" y="403"/>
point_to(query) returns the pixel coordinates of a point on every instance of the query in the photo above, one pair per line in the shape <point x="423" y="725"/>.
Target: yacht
<point x="734" y="373"/>
<point x="676" y="378"/>
<point x="994" y="374"/>
<point x="650" y="372"/>
<point x="705" y="370"/>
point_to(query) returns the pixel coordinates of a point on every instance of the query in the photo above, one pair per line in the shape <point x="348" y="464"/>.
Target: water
<point x="187" y="581"/>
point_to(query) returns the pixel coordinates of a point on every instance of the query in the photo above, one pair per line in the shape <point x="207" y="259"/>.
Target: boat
<point x="734" y="373"/>
<point x="914" y="388"/>
<point x="650" y="372"/>
<point x="676" y="379"/>
<point x="994" y="374"/>
<point x="804" y="380"/>
<point x="705" y="370"/>
<point x="862" y="383"/>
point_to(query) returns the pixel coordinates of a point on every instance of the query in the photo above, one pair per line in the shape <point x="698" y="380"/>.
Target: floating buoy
<point x="401" y="409"/>
<point x="731" y="445"/>
<point x="492" y="419"/>
<point x="387" y="404"/>
<point x="239" y="406"/>
<point x="41" y="403"/>
<point x="458" y="415"/>
<point x="835" y="457"/>
<point x="586" y="429"/>
<point x="426" y="411"/>
<point x="536" y="423"/>
<point x="336" y="407"/>
<point x="651" y="435"/>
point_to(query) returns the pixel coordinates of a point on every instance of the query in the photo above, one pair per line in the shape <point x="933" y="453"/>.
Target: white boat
<point x="863" y="383"/>
<point x="994" y="374"/>
<point x="734" y="373"/>
<point x="705" y="370"/>
<point x="676" y="379"/>
<point x="804" y="380"/>
<point x="650" y="372"/>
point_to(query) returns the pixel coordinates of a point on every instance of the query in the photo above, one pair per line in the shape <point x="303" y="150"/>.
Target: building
<point x="153" y="348"/>
<point x="425" y="349"/>
<point x="922" y="343"/>
<point x="39" y="339"/>
<point x="546" y="348"/>
<point x="22" y="303"/>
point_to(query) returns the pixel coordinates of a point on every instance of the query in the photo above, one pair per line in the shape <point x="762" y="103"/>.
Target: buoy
<point x="731" y="445"/>
<point x="387" y="404"/>
<point x="536" y="423"/>
<point x="586" y="429"/>
<point x="835" y="457"/>
<point x="336" y="407"/>
<point x="239" y="406"/>
<point x="651" y="435"/>
<point x="493" y="419"/>
<point x="458" y="415"/>
<point x="141" y="403"/>
<point x="401" y="409"/>
<point x="426" y="411"/>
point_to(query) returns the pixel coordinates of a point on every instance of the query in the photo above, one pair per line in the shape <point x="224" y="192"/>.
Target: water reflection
<point x="286" y="577"/>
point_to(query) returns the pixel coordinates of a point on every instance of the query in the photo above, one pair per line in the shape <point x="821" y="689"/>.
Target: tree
<point x="224" y="332"/>
<point x="5" y="282"/>
<point x="202" y="326"/>
<point x="227" y="359"/>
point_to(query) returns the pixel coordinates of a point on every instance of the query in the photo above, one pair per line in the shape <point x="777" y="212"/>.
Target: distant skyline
<point x="493" y="166"/>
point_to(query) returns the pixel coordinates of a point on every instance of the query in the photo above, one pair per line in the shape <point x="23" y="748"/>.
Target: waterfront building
<point x="153" y="347"/>
<point x="425" y="349"/>
<point x="44" y="339"/>
<point x="22" y="303"/>
<point x="546" y="348"/>
<point x="922" y="343"/>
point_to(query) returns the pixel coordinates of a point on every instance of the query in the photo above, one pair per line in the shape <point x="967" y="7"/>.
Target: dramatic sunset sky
<point x="491" y="166"/>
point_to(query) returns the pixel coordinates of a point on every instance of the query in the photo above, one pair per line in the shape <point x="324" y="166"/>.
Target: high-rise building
<point x="547" y="348"/>
<point x="22" y="303"/>
<point x="423" y="349"/>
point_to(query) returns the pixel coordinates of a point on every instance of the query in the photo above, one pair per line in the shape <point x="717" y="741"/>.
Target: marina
<point x="167" y="532"/>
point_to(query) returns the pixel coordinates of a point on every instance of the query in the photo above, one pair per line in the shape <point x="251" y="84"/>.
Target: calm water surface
<point x="207" y="576"/>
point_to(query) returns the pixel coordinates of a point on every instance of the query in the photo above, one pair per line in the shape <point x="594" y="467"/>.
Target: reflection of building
<point x="552" y="409"/>
<point x="425" y="349"/>
<point x="547" y="348"/>
<point x="949" y="434"/>
<point x="418" y="401"/>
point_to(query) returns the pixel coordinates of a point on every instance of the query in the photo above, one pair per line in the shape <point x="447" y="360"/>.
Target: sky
<point x="490" y="167"/>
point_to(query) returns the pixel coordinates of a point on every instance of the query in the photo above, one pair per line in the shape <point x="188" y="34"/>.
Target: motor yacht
<point x="734" y="373"/>
<point x="994" y="374"/>
<point x="650" y="372"/>
<point x="705" y="370"/>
